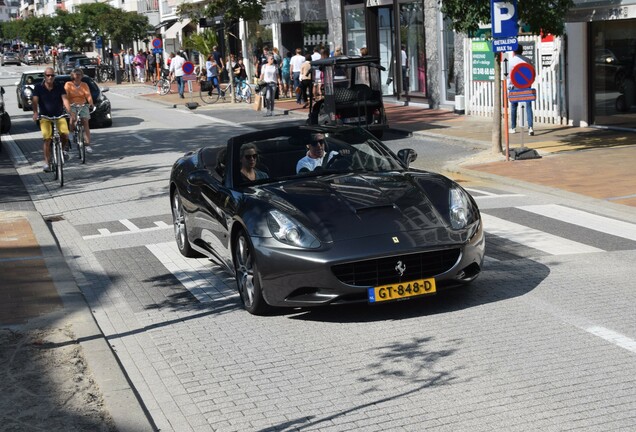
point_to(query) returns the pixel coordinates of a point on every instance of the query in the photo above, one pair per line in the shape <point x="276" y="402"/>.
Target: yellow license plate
<point x="402" y="290"/>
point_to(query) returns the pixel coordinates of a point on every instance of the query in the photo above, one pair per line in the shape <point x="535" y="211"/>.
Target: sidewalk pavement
<point x="38" y="289"/>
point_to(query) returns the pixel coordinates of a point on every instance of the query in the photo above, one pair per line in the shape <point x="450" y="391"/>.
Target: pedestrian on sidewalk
<point x="176" y="71"/>
<point x="140" y="66"/>
<point x="305" y="81"/>
<point x="285" y="74"/>
<point x="295" y="64"/>
<point x="269" y="74"/>
<point x="129" y="59"/>
<point x="212" y="74"/>
<point x="518" y="58"/>
<point x="49" y="98"/>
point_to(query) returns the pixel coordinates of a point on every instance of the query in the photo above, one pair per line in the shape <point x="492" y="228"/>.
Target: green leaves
<point x="541" y="16"/>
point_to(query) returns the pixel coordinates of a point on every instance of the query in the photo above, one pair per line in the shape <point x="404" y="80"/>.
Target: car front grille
<point x="384" y="271"/>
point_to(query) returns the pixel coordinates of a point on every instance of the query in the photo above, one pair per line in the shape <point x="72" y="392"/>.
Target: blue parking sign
<point x="98" y="42"/>
<point x="504" y="18"/>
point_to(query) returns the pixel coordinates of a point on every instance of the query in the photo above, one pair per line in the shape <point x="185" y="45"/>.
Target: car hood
<point x="342" y="207"/>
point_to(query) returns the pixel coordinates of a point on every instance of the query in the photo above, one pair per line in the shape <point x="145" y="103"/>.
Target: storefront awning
<point x="166" y="23"/>
<point x="171" y="33"/>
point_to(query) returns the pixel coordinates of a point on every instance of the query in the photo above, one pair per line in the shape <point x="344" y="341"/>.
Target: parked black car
<point x="68" y="66"/>
<point x="62" y="58"/>
<point x="101" y="117"/>
<point x="87" y="65"/>
<point x="11" y="57"/>
<point x="5" y="119"/>
<point x="24" y="88"/>
<point x="361" y="227"/>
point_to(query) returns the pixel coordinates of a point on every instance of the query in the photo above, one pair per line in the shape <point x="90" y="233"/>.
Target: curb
<point x="121" y="399"/>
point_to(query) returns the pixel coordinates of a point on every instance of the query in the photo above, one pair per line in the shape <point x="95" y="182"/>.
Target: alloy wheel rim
<point x="245" y="274"/>
<point x="179" y="226"/>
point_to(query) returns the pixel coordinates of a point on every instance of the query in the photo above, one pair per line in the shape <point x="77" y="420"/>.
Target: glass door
<point x="386" y="43"/>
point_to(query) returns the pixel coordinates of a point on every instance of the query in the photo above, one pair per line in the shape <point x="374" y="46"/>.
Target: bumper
<point x="293" y="278"/>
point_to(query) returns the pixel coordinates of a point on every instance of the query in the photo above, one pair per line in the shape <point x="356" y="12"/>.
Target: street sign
<point x="157" y="43"/>
<point x="157" y="50"/>
<point x="504" y="45"/>
<point x="190" y="77"/>
<point x="188" y="68"/>
<point x="524" y="95"/>
<point x="504" y="19"/>
<point x="98" y="42"/>
<point x="522" y="75"/>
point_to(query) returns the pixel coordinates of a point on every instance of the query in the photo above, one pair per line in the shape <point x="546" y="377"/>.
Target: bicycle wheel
<point x="103" y="74"/>
<point x="163" y="86"/>
<point x="59" y="172"/>
<point x="209" y="96"/>
<point x="246" y="93"/>
<point x="54" y="161"/>
<point x="226" y="90"/>
<point x="79" y="137"/>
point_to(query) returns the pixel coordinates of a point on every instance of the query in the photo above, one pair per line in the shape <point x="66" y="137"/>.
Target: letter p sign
<point x="504" y="18"/>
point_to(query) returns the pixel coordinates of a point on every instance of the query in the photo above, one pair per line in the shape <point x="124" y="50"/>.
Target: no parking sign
<point x="522" y="75"/>
<point x="188" y="68"/>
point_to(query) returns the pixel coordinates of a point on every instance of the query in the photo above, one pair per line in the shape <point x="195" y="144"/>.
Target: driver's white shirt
<point x="313" y="163"/>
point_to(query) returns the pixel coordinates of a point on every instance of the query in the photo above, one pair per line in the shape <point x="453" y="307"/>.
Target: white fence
<point x="315" y="40"/>
<point x="549" y="63"/>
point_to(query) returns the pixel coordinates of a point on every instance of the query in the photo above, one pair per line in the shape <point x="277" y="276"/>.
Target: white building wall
<point x="577" y="74"/>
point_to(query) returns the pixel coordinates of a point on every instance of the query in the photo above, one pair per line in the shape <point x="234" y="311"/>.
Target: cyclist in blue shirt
<point x="49" y="99"/>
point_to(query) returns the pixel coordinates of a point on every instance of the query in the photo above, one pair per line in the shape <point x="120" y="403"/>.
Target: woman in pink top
<point x="140" y="66"/>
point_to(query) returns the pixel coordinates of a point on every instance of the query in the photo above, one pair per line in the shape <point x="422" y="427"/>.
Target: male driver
<point x="176" y="71"/>
<point x="49" y="98"/>
<point x="315" y="154"/>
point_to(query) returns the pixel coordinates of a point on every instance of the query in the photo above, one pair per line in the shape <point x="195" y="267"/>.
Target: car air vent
<point x="383" y="271"/>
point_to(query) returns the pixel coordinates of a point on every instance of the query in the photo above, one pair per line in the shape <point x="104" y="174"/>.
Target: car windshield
<point x="34" y="78"/>
<point x="310" y="153"/>
<point x="87" y="61"/>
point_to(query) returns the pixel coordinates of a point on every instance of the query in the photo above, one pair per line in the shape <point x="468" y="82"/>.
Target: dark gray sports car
<point x="307" y="216"/>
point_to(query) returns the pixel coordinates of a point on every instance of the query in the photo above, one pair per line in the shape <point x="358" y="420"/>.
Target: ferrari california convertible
<point x="316" y="215"/>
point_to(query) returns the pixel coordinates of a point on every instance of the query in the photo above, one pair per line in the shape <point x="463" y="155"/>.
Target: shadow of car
<point x="24" y="88"/>
<point x="101" y="117"/>
<point x="11" y="57"/>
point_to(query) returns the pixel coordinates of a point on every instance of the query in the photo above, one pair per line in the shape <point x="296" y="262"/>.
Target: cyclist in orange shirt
<point x="79" y="96"/>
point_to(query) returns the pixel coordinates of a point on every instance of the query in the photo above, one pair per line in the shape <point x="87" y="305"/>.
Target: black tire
<point x="621" y="104"/>
<point x="6" y="123"/>
<point x="210" y="98"/>
<point x="81" y="148"/>
<point x="247" y="277"/>
<point x="180" y="228"/>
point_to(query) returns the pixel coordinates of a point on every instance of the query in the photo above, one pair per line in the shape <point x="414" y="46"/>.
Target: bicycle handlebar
<point x="45" y="117"/>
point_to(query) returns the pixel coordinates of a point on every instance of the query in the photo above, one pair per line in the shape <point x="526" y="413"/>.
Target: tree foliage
<point x="73" y="30"/>
<point x="539" y="16"/>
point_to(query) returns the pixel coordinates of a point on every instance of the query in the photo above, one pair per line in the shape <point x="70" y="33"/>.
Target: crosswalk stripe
<point x="533" y="238"/>
<point x="584" y="219"/>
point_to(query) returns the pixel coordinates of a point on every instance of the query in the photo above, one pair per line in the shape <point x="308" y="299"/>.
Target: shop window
<point x="412" y="37"/>
<point x="355" y="30"/>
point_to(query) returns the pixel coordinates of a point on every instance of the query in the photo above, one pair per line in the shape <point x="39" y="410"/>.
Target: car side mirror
<point x="1" y="90"/>
<point x="104" y="89"/>
<point x="407" y="156"/>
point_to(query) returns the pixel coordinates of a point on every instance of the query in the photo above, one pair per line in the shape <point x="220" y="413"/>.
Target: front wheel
<point x="59" y="169"/>
<point x="247" y="277"/>
<point x="81" y="148"/>
<point x="163" y="86"/>
<point x="180" y="228"/>
<point x="209" y="96"/>
<point x="246" y="94"/>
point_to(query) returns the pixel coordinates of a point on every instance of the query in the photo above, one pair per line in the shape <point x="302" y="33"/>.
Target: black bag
<point x="206" y="85"/>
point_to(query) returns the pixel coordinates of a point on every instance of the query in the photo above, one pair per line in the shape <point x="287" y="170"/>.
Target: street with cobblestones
<point x="544" y="339"/>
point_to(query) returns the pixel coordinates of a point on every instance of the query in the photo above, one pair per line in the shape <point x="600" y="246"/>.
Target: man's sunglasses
<point x="49" y="75"/>
<point x="251" y="156"/>
<point x="315" y="143"/>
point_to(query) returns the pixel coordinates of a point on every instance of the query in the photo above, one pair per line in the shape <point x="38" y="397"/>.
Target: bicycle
<point x="164" y="85"/>
<point x="210" y="94"/>
<point x="57" y="158"/>
<point x="105" y="72"/>
<point x="79" y="130"/>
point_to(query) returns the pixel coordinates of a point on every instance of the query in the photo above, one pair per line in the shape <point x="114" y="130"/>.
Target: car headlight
<point x="288" y="231"/>
<point x="460" y="209"/>
<point x="28" y="92"/>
